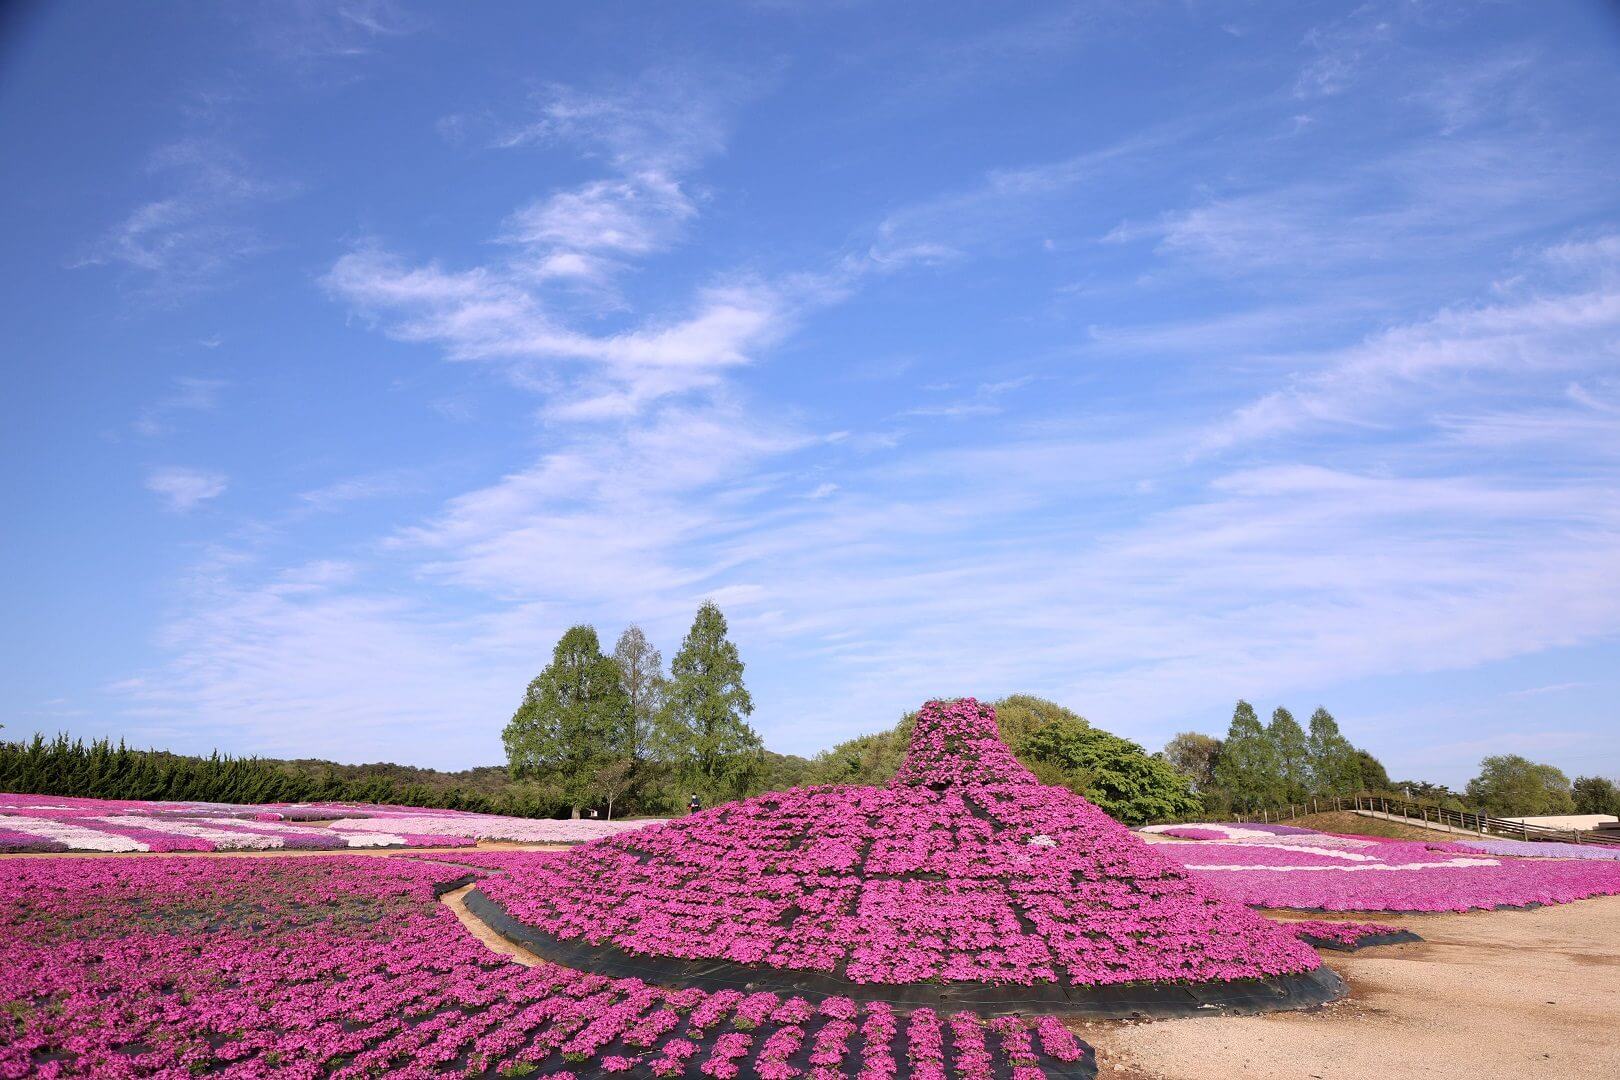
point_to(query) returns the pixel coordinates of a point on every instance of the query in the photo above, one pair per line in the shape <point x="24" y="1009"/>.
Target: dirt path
<point x="456" y="901"/>
<point x="1486" y="995"/>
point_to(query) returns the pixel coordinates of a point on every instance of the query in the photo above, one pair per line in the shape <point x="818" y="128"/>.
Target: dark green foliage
<point x="1293" y="760"/>
<point x="1118" y="775"/>
<point x="1422" y="790"/>
<point x="1596" y="795"/>
<point x="1335" y="765"/>
<point x="1511" y="786"/>
<point x="1373" y="775"/>
<point x="103" y="770"/>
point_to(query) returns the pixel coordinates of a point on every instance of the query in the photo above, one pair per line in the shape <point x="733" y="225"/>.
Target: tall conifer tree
<point x="1247" y="768"/>
<point x="1293" y="760"/>
<point x="701" y="729"/>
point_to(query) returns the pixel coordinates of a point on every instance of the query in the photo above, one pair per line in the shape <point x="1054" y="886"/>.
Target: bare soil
<point x="1485" y="995"/>
<point x="1342" y="821"/>
<point x="457" y="902"/>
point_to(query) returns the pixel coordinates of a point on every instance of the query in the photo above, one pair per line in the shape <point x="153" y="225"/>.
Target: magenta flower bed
<point x="1392" y="876"/>
<point x="347" y="967"/>
<point x="1345" y="934"/>
<point x="964" y="869"/>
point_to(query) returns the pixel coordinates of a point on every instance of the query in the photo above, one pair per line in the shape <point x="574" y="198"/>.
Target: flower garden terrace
<point x="346" y="966"/>
<point x="963" y="883"/>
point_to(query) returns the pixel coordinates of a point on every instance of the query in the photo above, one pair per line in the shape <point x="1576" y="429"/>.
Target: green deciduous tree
<point x="1374" y="777"/>
<point x="1194" y="755"/>
<point x="1127" y="782"/>
<point x="641" y="674"/>
<point x="1247" y="770"/>
<point x="1596" y="795"/>
<point x="701" y="729"/>
<point x="574" y="720"/>
<point x="870" y="760"/>
<point x="1293" y="759"/>
<point x="1335" y="768"/>
<point x="1510" y="785"/>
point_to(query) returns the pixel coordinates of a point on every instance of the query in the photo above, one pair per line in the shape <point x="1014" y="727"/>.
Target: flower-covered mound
<point x="1320" y="871"/>
<point x="1348" y="936"/>
<point x="347" y="967"/>
<point x="54" y="823"/>
<point x="964" y="870"/>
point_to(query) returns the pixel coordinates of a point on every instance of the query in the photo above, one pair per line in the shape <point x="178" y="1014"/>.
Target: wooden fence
<point x="1482" y="824"/>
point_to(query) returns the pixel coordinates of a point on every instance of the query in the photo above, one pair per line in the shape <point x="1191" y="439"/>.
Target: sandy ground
<point x="1509" y="994"/>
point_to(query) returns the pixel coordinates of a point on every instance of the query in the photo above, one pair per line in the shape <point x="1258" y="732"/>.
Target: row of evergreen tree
<point x="1266" y="765"/>
<point x="102" y="770"/>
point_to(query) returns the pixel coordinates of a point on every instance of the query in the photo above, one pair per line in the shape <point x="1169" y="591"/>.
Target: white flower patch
<point x="487" y="827"/>
<point x="1364" y="866"/>
<point x="76" y="837"/>
<point x="223" y="839"/>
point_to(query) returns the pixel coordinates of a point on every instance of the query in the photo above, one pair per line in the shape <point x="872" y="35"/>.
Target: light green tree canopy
<point x="641" y="674"/>
<point x="1510" y="785"/>
<point x="1194" y="755"/>
<point x="574" y="719"/>
<point x="701" y="729"/>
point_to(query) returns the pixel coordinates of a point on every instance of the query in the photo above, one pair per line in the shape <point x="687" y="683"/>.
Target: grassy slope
<point x="1342" y="821"/>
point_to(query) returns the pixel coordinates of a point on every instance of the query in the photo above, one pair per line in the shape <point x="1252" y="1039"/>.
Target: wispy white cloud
<point x="1553" y="688"/>
<point x="1431" y="367"/>
<point x="184" y="488"/>
<point x="190" y="394"/>
<point x="321" y="32"/>
<point x="352" y="489"/>
<point x="193" y="236"/>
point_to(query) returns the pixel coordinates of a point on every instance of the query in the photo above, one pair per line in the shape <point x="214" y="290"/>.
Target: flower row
<point x="347" y="967"/>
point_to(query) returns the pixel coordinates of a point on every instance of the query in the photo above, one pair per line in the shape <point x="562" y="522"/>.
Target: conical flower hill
<point x="964" y="872"/>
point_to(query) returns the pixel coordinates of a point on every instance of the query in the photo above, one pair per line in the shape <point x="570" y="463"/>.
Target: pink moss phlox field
<point x="964" y="869"/>
<point x="348" y="967"/>
<point x="1340" y="933"/>
<point x="54" y="823"/>
<point x="1322" y="871"/>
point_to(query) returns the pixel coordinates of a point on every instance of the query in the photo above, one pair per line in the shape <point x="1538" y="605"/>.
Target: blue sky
<point x="1142" y="356"/>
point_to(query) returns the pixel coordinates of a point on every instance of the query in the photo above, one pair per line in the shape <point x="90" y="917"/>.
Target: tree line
<point x="101" y="769"/>
<point x="1265" y="766"/>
